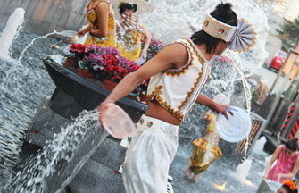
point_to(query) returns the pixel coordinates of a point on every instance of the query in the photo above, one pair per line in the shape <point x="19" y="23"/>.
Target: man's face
<point x="221" y="47"/>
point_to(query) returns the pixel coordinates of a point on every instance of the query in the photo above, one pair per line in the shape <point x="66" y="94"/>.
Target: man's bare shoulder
<point x="176" y="52"/>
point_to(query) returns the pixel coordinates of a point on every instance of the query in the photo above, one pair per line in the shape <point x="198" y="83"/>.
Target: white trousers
<point x="149" y="156"/>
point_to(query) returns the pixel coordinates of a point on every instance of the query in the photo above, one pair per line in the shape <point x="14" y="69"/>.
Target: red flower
<point x="109" y="68"/>
<point x="110" y="59"/>
<point x="117" y="68"/>
<point x="109" y="62"/>
<point x="116" y="77"/>
<point x="79" y="48"/>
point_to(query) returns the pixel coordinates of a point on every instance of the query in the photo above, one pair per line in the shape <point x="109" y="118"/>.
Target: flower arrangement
<point x="104" y="63"/>
<point x="77" y="52"/>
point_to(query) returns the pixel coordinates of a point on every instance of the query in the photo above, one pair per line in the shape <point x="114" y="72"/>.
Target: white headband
<point x="240" y="38"/>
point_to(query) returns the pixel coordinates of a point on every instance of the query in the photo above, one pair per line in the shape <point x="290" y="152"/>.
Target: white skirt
<point x="149" y="156"/>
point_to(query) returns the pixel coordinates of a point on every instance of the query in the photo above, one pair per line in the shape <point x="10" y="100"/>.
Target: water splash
<point x="243" y="171"/>
<point x="59" y="162"/>
<point x="221" y="187"/>
<point x="238" y="67"/>
<point x="31" y="44"/>
<point x="65" y="33"/>
<point x="17" y="67"/>
<point x="22" y="86"/>
<point x="258" y="147"/>
<point x="10" y="31"/>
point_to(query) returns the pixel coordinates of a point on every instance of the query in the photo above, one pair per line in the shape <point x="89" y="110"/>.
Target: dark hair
<point x="289" y="190"/>
<point x="292" y="144"/>
<point x="222" y="12"/>
<point x="127" y="6"/>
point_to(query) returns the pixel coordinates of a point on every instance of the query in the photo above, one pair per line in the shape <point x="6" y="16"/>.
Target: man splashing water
<point x="177" y="75"/>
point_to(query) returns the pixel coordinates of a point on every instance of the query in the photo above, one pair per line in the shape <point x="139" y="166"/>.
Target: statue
<point x="206" y="150"/>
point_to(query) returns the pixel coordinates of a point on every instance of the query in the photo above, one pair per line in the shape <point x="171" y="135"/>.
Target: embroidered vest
<point x="177" y="89"/>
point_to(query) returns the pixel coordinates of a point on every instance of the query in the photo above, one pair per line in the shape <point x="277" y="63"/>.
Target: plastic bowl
<point x="68" y="33"/>
<point x="118" y="123"/>
<point x="237" y="127"/>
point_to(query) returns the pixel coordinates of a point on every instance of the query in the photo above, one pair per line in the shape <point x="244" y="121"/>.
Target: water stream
<point x="10" y="31"/>
<point x="23" y="87"/>
<point x="62" y="158"/>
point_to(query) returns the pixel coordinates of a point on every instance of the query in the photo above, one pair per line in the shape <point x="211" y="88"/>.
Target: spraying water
<point x="31" y="44"/>
<point x="258" y="147"/>
<point x="67" y="33"/>
<point x="243" y="171"/>
<point x="53" y="168"/>
<point x="10" y="31"/>
<point x="23" y="87"/>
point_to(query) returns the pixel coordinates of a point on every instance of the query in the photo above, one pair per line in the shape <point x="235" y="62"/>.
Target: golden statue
<point x="206" y="150"/>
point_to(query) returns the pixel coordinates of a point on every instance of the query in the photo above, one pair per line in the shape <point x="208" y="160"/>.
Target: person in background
<point x="101" y="27"/>
<point x="288" y="186"/>
<point x="130" y="32"/>
<point x="287" y="164"/>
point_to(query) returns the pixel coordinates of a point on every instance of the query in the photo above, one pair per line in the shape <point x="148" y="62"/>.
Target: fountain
<point x="10" y="31"/>
<point x="62" y="150"/>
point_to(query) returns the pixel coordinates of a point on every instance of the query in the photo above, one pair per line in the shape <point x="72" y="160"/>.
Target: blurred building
<point x="287" y="9"/>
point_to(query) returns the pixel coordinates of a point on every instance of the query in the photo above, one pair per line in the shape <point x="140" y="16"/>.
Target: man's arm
<point x="206" y="101"/>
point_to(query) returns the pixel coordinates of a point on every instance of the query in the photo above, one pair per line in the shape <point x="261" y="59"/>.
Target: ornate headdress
<point x="239" y="38"/>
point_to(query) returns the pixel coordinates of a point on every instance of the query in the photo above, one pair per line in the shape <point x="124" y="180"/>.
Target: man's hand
<point x="219" y="109"/>
<point x="102" y="108"/>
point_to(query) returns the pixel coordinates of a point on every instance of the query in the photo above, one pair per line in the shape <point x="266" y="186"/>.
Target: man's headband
<point x="239" y="38"/>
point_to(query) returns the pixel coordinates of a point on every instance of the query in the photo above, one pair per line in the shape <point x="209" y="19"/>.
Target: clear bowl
<point x="118" y="123"/>
<point x="237" y="127"/>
